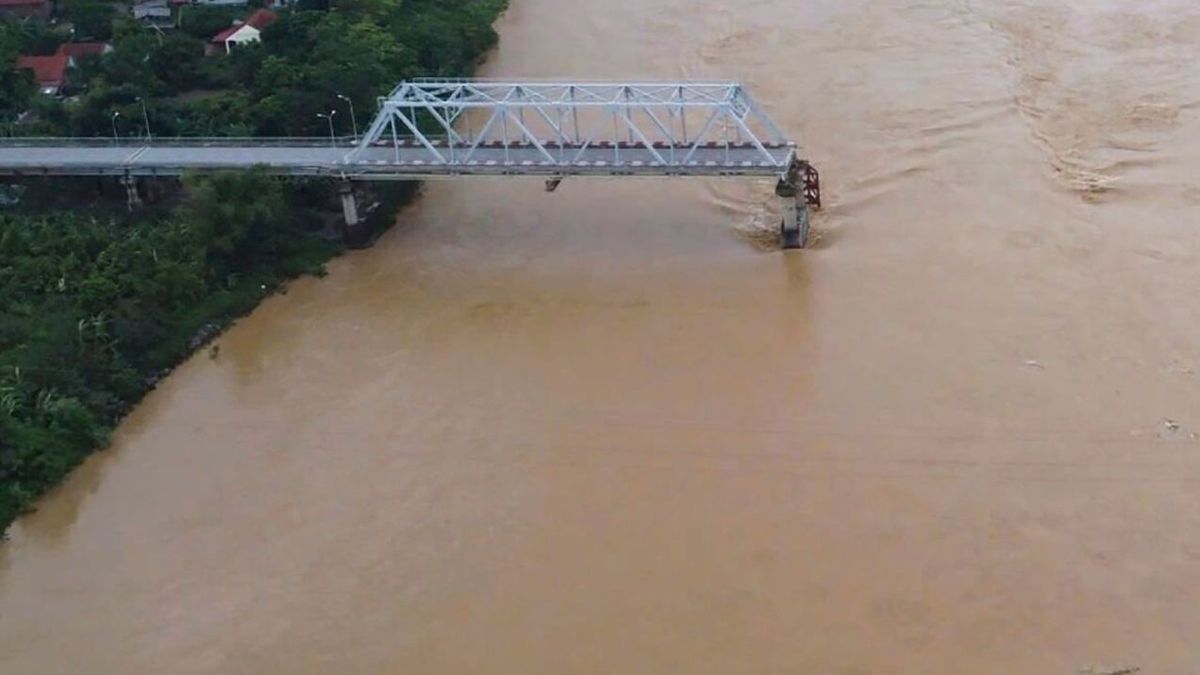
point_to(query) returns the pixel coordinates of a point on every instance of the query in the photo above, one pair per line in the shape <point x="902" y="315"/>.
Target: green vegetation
<point x="92" y="20"/>
<point x="355" y="48"/>
<point x="95" y="304"/>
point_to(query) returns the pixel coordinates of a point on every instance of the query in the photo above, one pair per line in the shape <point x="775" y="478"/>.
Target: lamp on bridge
<point x="329" y="118"/>
<point x="353" y="119"/>
<point x="145" y="117"/>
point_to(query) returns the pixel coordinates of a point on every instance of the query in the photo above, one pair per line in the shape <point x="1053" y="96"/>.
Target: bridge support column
<point x="354" y="230"/>
<point x="793" y="232"/>
<point x="151" y="190"/>
<point x="134" y="200"/>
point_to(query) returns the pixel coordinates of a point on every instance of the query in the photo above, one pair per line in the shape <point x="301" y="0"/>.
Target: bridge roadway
<point x="386" y="160"/>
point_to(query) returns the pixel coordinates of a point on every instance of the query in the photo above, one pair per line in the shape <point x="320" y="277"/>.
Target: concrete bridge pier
<point x="798" y="189"/>
<point x="793" y="232"/>
<point x="152" y="189"/>
<point x="133" y="199"/>
<point x="355" y="232"/>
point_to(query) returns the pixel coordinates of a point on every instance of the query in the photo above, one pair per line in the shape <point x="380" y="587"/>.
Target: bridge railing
<point x="177" y="141"/>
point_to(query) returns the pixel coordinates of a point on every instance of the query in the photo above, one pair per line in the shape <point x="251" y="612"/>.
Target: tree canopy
<point x="313" y="53"/>
<point x="96" y="304"/>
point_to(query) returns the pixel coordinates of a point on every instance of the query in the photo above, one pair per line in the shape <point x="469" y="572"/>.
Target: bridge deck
<point x="174" y="157"/>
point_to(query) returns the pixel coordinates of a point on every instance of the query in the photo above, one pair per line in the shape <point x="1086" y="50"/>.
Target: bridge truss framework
<point x="442" y="128"/>
<point x="571" y="128"/>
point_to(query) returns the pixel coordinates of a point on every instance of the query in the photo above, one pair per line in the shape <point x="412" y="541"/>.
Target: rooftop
<point x="260" y="19"/>
<point x="48" y="70"/>
<point x="227" y="33"/>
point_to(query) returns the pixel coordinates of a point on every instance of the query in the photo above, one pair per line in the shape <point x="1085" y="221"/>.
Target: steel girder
<point x="572" y="126"/>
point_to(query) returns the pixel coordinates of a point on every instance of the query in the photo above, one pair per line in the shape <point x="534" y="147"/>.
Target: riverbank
<point x="595" y="431"/>
<point x="97" y="305"/>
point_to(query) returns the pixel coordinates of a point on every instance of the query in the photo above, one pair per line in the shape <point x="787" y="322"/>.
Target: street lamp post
<point x="115" y="115"/>
<point x="145" y="118"/>
<point x="329" y="118"/>
<point x="353" y="119"/>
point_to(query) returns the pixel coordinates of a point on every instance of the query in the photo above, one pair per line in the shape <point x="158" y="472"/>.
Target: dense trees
<point x="91" y="20"/>
<point x="94" y="306"/>
<point x="17" y="88"/>
<point x="357" y="48"/>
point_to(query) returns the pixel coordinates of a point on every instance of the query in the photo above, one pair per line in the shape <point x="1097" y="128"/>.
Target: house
<point x="154" y="12"/>
<point x="243" y="33"/>
<point x="233" y="3"/>
<point x="79" y="50"/>
<point x="25" y="9"/>
<point x="49" y="71"/>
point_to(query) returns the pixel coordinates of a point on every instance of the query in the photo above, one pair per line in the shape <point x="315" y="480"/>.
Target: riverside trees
<point x="356" y="48"/>
<point x="94" y="305"/>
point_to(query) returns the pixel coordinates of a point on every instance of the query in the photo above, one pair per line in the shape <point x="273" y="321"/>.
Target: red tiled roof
<point x="21" y="3"/>
<point x="78" y="49"/>
<point x="262" y="18"/>
<point x="226" y="34"/>
<point x="50" y="71"/>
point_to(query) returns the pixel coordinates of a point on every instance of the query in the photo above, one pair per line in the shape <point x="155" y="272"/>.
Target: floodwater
<point x="606" y="431"/>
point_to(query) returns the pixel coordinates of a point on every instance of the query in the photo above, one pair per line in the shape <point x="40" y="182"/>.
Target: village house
<point x="246" y="32"/>
<point x="231" y="3"/>
<point x="25" y="9"/>
<point x="154" y="12"/>
<point x="50" y="72"/>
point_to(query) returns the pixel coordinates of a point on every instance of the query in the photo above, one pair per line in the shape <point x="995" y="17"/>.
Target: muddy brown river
<point x="608" y="431"/>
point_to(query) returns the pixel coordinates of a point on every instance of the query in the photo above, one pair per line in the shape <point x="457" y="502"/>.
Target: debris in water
<point x="1119" y="671"/>
<point x="1035" y="364"/>
<point x="214" y="352"/>
<point x="1173" y="430"/>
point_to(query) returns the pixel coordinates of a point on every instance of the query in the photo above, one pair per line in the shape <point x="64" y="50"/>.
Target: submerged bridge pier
<point x="453" y="129"/>
<point x="797" y="191"/>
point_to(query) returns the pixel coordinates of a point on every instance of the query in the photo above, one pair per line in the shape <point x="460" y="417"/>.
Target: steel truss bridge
<point x="427" y="129"/>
